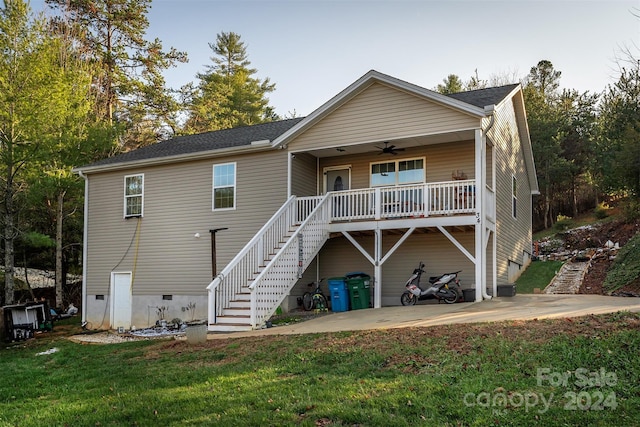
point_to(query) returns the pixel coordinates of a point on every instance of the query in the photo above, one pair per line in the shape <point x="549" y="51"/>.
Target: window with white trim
<point x="133" y="195"/>
<point x="514" y="196"/>
<point x="406" y="171"/>
<point x="224" y="186"/>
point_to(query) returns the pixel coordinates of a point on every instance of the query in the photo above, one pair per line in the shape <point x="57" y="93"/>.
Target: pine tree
<point x="228" y="95"/>
<point x="130" y="88"/>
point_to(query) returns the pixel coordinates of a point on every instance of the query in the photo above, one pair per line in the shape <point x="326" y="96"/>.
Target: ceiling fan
<point x="389" y="149"/>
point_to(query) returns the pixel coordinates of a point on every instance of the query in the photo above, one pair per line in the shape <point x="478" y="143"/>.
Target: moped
<point x="443" y="288"/>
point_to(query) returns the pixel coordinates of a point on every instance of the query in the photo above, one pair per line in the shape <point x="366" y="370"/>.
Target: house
<point x="229" y="225"/>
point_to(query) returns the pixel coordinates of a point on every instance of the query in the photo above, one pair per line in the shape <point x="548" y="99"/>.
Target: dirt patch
<point x="586" y="238"/>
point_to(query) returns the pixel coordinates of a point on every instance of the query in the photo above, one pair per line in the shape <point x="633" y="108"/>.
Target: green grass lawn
<point x="507" y="373"/>
<point x="537" y="275"/>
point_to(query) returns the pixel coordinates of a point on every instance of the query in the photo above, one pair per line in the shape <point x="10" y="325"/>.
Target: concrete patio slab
<point x="519" y="307"/>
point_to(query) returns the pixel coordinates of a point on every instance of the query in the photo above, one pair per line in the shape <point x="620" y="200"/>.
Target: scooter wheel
<point x="408" y="298"/>
<point x="452" y="298"/>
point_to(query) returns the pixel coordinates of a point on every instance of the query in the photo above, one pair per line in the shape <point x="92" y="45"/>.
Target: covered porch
<point x="440" y="183"/>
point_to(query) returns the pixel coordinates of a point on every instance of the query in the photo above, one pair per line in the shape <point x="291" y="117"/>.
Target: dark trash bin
<point x="469" y="295"/>
<point x="358" y="285"/>
<point x="338" y="294"/>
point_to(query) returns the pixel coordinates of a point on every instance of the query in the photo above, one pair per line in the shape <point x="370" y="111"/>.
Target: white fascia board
<point x="200" y="155"/>
<point x="361" y="84"/>
<point x="525" y="139"/>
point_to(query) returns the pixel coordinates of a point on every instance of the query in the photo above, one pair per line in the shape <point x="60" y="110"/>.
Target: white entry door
<point x="121" y="300"/>
<point x="337" y="178"/>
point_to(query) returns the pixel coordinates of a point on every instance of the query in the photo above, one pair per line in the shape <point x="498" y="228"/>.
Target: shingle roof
<point x="245" y="135"/>
<point x="483" y="97"/>
<point x="202" y="142"/>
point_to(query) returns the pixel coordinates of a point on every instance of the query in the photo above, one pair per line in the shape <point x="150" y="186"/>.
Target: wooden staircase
<point x="237" y="317"/>
<point x="253" y="285"/>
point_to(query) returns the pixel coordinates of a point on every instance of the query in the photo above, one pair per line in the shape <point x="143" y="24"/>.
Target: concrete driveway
<point x="519" y="307"/>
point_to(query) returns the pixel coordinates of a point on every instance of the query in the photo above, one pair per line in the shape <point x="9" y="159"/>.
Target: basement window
<point x="167" y="297"/>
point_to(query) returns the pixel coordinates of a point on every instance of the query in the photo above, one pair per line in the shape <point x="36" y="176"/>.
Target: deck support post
<point x="378" y="259"/>
<point x="377" y="270"/>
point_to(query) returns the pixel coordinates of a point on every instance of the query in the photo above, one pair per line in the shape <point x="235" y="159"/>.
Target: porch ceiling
<point x="338" y="149"/>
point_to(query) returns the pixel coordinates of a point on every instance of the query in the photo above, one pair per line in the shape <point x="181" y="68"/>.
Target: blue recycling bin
<point x="339" y="294"/>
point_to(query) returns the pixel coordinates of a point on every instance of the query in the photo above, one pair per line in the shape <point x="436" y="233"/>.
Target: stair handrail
<point x="254" y="240"/>
<point x="294" y="238"/>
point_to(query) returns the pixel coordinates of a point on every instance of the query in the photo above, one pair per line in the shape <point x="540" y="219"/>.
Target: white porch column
<point x="289" y="167"/>
<point x="480" y="159"/>
<point x="495" y="264"/>
<point x="377" y="269"/>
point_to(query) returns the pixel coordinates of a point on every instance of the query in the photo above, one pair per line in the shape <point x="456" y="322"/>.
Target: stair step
<point x="228" y="327"/>
<point x="233" y="320"/>
<point x="240" y="304"/>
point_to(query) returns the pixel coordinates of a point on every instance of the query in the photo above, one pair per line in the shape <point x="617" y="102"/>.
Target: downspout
<point x="488" y="109"/>
<point x="84" y="245"/>
<point x="289" y="166"/>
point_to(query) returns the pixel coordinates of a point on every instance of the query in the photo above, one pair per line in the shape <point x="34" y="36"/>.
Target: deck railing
<point x="419" y="200"/>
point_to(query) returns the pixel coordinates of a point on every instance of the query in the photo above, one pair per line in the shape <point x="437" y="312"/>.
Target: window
<point x="224" y="186"/>
<point x="409" y="171"/>
<point x="133" y="195"/>
<point x="514" y="195"/>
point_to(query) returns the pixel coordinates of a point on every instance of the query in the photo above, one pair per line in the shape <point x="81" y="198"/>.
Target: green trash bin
<point x="358" y="286"/>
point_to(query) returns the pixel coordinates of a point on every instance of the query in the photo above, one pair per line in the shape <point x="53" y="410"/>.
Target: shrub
<point x="626" y="267"/>
<point x="563" y="223"/>
<point x="631" y="210"/>
<point x="601" y="211"/>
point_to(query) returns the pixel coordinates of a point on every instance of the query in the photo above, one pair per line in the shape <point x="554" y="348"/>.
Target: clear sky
<point x="312" y="49"/>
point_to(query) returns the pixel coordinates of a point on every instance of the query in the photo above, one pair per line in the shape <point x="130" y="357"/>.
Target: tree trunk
<point x="547" y="208"/>
<point x="9" y="269"/>
<point x="59" y="275"/>
<point x="575" y="196"/>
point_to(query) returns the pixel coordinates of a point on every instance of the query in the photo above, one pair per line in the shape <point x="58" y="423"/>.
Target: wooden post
<point x="214" y="266"/>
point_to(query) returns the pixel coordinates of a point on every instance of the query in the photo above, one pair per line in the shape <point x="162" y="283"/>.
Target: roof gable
<point x="362" y="84"/>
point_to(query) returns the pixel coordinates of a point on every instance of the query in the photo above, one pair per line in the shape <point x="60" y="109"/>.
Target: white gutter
<point x="84" y="245"/>
<point x="200" y="155"/>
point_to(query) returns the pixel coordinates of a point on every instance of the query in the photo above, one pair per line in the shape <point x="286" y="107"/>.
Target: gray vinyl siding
<point x="177" y="205"/>
<point x="513" y="234"/>
<point x="382" y="113"/>
<point x="303" y="173"/>
<point x="441" y="161"/>
<point x="439" y="255"/>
